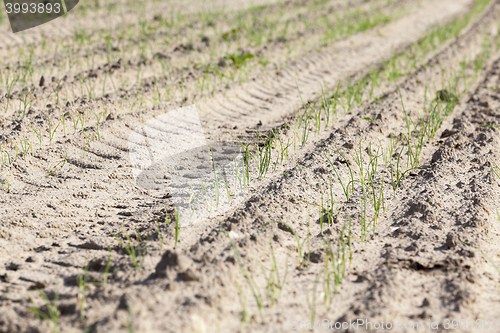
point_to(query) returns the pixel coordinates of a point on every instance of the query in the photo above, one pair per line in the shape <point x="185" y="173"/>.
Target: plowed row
<point x="383" y="209"/>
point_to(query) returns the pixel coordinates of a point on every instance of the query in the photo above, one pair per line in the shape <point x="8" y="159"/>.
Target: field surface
<point x="360" y="143"/>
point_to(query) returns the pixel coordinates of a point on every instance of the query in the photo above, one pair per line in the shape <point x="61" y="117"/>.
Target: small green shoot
<point x="137" y="254"/>
<point x="294" y="234"/>
<point x="52" y="318"/>
<point x="53" y="168"/>
<point x="250" y="281"/>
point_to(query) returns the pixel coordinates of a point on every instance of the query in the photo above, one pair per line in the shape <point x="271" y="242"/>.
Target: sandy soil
<point x="71" y="204"/>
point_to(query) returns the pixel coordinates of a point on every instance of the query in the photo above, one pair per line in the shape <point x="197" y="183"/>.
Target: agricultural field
<point x="252" y="166"/>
